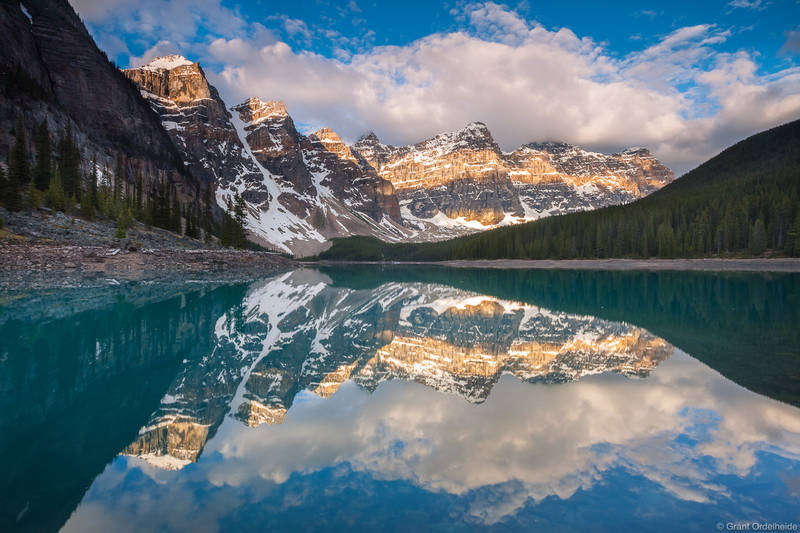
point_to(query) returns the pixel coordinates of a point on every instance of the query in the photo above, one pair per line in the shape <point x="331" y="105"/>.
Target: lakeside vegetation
<point x="743" y="202"/>
<point x="63" y="181"/>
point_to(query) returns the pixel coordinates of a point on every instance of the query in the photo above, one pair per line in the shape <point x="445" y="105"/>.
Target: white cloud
<point x="685" y="428"/>
<point x="527" y="83"/>
<point x="679" y="96"/>
<point x="757" y="5"/>
<point x="155" y="21"/>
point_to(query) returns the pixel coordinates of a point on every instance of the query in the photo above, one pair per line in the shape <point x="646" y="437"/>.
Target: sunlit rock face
<point x="195" y="116"/>
<point x="319" y="170"/>
<point x="466" y="177"/>
<point x="302" y="190"/>
<point x="297" y="333"/>
<point x="171" y="445"/>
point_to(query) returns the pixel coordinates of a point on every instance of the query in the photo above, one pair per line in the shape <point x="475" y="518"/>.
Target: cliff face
<point x="53" y="70"/>
<point x="321" y="171"/>
<point x="300" y="190"/>
<point x="192" y="112"/>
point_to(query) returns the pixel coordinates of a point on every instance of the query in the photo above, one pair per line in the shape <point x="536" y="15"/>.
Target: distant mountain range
<point x="164" y="127"/>
<point x="743" y="202"/>
<point x="302" y="190"/>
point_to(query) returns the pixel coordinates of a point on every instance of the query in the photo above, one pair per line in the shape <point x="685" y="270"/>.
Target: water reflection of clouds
<point x="683" y="428"/>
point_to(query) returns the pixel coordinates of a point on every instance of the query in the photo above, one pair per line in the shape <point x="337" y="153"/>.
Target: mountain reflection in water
<point x="407" y="399"/>
<point x="297" y="333"/>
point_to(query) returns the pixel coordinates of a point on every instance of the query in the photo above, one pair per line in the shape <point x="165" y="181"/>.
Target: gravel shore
<point x="40" y="249"/>
<point x="37" y="264"/>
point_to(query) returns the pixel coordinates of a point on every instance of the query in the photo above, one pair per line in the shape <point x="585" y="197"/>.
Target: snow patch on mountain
<point x="276" y="224"/>
<point x="167" y="62"/>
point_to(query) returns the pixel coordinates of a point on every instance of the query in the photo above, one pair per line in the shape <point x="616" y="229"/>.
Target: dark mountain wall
<point x="52" y="69"/>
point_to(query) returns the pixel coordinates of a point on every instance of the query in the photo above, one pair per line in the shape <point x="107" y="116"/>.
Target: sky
<point x="685" y="79"/>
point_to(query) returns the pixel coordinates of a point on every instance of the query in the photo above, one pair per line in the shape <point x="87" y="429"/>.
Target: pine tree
<point x="54" y="197"/>
<point x="89" y="196"/>
<point x="18" y="171"/>
<point x="69" y="163"/>
<point x="207" y="222"/>
<point x="122" y="230"/>
<point x="667" y="241"/>
<point x="192" y="227"/>
<point x="175" y="214"/>
<point x="43" y="171"/>
<point x="119" y="170"/>
<point x="758" y="238"/>
<point x="92" y="185"/>
<point x="34" y="196"/>
<point x="239" y="219"/>
<point x="138" y="200"/>
<point x="226" y="227"/>
<point x="3" y="184"/>
<point x="148" y="209"/>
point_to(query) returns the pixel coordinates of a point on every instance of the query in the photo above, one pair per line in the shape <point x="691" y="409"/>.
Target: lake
<point x="404" y="399"/>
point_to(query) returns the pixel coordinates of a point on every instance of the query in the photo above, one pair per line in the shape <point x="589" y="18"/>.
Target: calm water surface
<point x="406" y="399"/>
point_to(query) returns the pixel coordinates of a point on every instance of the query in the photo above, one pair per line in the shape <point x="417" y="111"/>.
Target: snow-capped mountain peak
<point x="255" y="110"/>
<point x="168" y="62"/>
<point x="302" y="190"/>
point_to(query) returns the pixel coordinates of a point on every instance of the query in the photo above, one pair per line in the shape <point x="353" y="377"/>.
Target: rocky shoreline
<point x="134" y="264"/>
<point x="35" y="265"/>
<point x="41" y="249"/>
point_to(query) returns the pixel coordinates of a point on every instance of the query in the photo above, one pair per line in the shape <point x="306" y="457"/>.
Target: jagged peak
<point x="255" y="109"/>
<point x="473" y="130"/>
<point x="475" y="126"/>
<point x="263" y="107"/>
<point x="326" y="134"/>
<point x="475" y="135"/>
<point x="368" y="138"/>
<point x="549" y="146"/>
<point x="167" y="62"/>
<point x="636" y="151"/>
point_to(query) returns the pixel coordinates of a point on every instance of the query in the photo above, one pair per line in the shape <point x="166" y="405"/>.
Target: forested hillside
<point x="743" y="202"/>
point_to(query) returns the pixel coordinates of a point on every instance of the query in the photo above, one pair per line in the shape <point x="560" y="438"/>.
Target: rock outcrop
<point x="196" y="118"/>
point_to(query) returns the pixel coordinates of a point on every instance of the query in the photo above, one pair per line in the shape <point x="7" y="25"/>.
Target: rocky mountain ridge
<point x="302" y="190"/>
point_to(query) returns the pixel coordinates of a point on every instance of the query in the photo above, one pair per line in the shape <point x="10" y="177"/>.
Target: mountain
<point x="299" y="333"/>
<point x="300" y="190"/>
<point x="744" y="201"/>
<point x="465" y="177"/>
<point x="51" y="69"/>
<point x="304" y="190"/>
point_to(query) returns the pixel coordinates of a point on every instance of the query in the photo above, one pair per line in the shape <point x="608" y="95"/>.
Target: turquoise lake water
<point x="404" y="399"/>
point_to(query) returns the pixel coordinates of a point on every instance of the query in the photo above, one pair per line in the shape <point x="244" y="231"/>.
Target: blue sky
<point x="623" y="26"/>
<point x="683" y="78"/>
